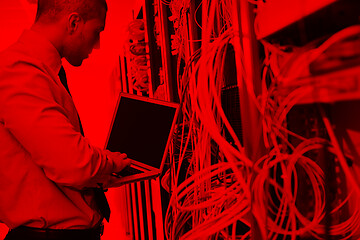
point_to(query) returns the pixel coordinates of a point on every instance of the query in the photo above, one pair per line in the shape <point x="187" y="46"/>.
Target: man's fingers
<point x="126" y="162"/>
<point x="123" y="155"/>
<point x="121" y="161"/>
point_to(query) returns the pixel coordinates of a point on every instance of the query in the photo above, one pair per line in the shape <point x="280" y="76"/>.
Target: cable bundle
<point x="179" y="9"/>
<point x="136" y="30"/>
<point x="137" y="49"/>
<point x="288" y="220"/>
<point x="217" y="192"/>
<point x="215" y="195"/>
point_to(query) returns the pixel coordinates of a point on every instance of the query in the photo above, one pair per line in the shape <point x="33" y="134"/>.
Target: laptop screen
<point x="141" y="128"/>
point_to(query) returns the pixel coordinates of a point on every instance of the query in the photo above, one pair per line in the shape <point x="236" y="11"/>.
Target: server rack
<point x="261" y="129"/>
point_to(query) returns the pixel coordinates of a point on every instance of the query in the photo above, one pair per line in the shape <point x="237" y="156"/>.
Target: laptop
<point x="142" y="128"/>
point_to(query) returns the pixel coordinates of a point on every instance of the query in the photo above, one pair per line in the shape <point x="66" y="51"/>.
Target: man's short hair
<point x="51" y="10"/>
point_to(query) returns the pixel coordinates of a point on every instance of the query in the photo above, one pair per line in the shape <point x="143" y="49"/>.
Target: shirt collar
<point x="42" y="49"/>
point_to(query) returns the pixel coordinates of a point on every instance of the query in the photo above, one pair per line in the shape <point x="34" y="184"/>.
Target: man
<point x="50" y="175"/>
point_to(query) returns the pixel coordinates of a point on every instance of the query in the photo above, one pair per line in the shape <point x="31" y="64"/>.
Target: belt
<point x="29" y="233"/>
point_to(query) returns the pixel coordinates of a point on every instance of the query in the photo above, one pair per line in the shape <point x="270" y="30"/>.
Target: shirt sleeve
<point x="34" y="115"/>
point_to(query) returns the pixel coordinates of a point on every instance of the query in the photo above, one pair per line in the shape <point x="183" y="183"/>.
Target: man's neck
<point x="51" y="32"/>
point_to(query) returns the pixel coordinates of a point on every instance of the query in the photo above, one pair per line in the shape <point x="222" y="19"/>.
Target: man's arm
<point x="36" y="113"/>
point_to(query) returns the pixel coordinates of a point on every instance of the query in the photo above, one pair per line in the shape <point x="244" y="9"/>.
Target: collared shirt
<point x="46" y="165"/>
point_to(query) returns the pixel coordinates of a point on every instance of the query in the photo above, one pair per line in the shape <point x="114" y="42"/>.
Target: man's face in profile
<point x="85" y="39"/>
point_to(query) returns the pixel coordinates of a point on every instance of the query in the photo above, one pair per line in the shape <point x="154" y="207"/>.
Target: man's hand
<point x="120" y="160"/>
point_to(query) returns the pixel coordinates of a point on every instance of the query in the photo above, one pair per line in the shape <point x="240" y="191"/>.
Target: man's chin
<point x="76" y="63"/>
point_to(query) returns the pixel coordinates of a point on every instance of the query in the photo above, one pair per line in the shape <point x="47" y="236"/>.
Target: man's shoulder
<point x="8" y="55"/>
<point x="19" y="68"/>
<point x="15" y="55"/>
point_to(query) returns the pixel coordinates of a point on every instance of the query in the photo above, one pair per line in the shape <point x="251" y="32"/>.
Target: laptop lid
<point x="142" y="127"/>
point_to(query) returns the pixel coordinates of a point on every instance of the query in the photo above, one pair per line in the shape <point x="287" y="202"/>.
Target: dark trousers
<point x="27" y="233"/>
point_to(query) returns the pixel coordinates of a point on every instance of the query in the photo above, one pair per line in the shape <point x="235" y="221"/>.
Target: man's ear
<point x="74" y="21"/>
